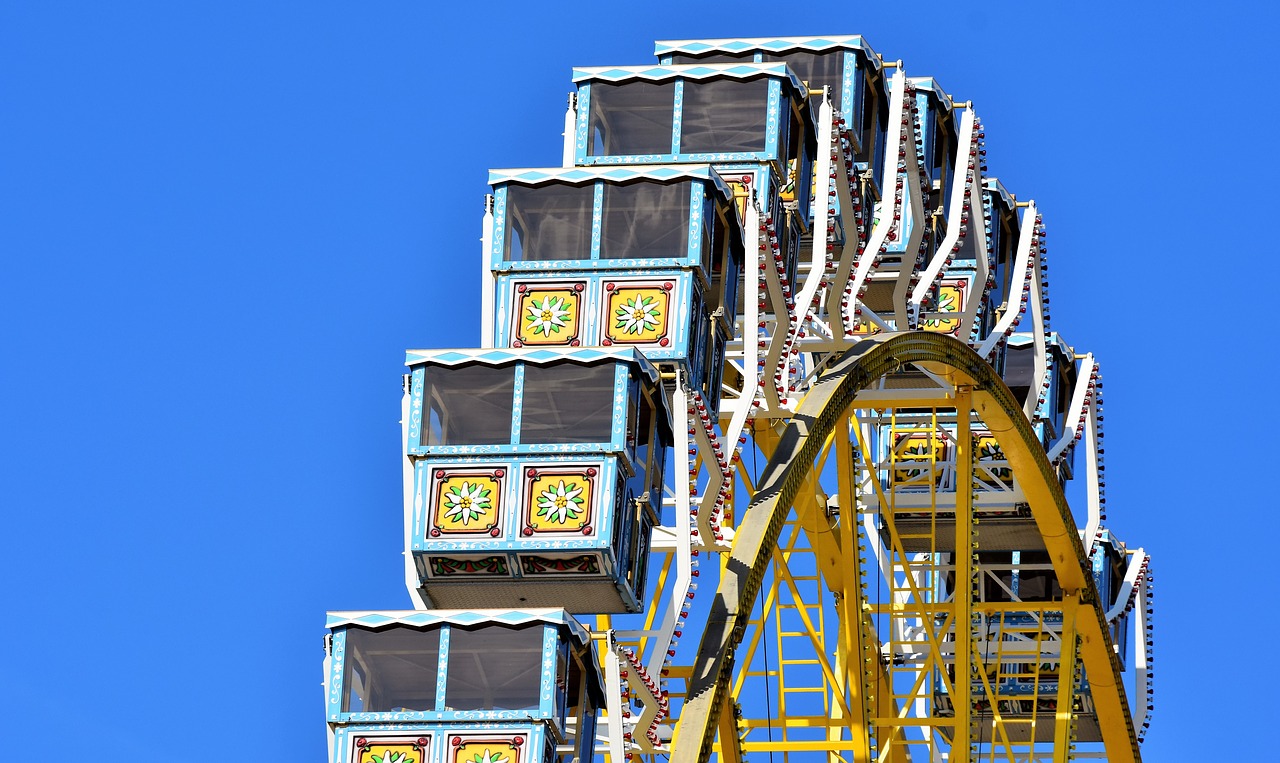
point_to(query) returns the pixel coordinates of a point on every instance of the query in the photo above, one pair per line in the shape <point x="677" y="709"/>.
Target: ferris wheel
<point x="767" y="450"/>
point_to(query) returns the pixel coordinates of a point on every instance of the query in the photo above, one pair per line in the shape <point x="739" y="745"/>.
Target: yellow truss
<point x="791" y="549"/>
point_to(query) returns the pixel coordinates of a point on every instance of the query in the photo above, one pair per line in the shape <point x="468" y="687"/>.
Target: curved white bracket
<point x="964" y="184"/>
<point x="1121" y="603"/>
<point x="1023" y="261"/>
<point x="887" y="207"/>
<point x="1080" y="397"/>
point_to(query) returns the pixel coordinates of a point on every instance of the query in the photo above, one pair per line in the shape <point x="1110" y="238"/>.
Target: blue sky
<point x="221" y="224"/>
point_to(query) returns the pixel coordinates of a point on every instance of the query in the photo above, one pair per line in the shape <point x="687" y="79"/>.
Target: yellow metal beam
<point x="1062" y="725"/>
<point x="962" y="600"/>
<point x="827" y="404"/>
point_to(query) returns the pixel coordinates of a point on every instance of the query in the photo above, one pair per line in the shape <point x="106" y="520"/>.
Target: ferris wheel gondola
<point x="783" y="259"/>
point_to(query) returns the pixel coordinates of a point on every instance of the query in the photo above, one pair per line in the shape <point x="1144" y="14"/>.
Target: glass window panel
<point x="969" y="244"/>
<point x="710" y="263"/>
<point x="941" y="161"/>
<point x="469" y="405"/>
<point x="860" y="105"/>
<point x="1064" y="382"/>
<point x="631" y="118"/>
<point x="877" y="142"/>
<point x="576" y="689"/>
<point x="644" y="441"/>
<point x="549" y="222"/>
<point x="1037" y="585"/>
<point x="1003" y="239"/>
<point x="645" y="219"/>
<point x="567" y="403"/>
<point x="1002" y="572"/>
<point x="587" y="734"/>
<point x="1019" y="369"/>
<point x="724" y="115"/>
<point x="723" y="289"/>
<point x="494" y="668"/>
<point x="390" y="670"/>
<point x="820" y="70"/>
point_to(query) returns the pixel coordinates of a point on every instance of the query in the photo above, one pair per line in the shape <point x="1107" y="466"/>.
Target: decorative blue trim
<point x="417" y="523"/>
<point x="565" y="269"/>
<point x="583" y="117"/>
<point x="497" y="356"/>
<point x="547" y="686"/>
<point x="597" y="212"/>
<point x="415" y="409"/>
<point x="513" y="450"/>
<point x="772" y="120"/>
<point x="715" y="159"/>
<point x="541" y="176"/>
<point x="462" y="617"/>
<point x="337" y="663"/>
<point x="696" y="193"/>
<point x="621" y="394"/>
<point x="517" y="403"/>
<point x="846" y="97"/>
<point x="442" y="667"/>
<point x="499" y="243"/>
<point x="770" y="44"/>
<point x="737" y="70"/>
<point x="677" y="118"/>
<point x="504" y="314"/>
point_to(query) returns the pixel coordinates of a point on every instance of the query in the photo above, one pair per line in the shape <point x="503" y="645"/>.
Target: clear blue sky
<point x="222" y="223"/>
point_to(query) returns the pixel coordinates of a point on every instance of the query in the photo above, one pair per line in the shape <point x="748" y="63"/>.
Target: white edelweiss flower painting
<point x="637" y="314"/>
<point x="466" y="502"/>
<point x="489" y="757"/>
<point x="549" y="317"/>
<point x="561" y="503"/>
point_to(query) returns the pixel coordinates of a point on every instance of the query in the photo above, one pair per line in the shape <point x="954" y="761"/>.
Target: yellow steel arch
<point x="971" y="384"/>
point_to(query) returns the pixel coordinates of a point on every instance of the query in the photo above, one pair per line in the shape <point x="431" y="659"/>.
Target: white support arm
<point x="613" y="700"/>
<point x="486" y="276"/>
<point x="887" y="207"/>
<point x="682" y="539"/>
<point x="751" y="288"/>
<point x="1015" y="300"/>
<point x="1093" y="482"/>
<point x="1136" y="561"/>
<point x="962" y="186"/>
<point x="1080" y="397"/>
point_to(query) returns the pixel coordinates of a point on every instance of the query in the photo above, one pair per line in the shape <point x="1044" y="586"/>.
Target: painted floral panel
<point x="986" y="472"/>
<point x="487" y="751"/>
<point x="548" y="316"/>
<point x="582" y="564"/>
<point x="559" y="501"/>
<point x="950" y="300"/>
<point x="466" y="502"/>
<point x="918" y="448"/>
<point x="389" y="751"/>
<point x="637" y="315"/>
<point x="444" y="566"/>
